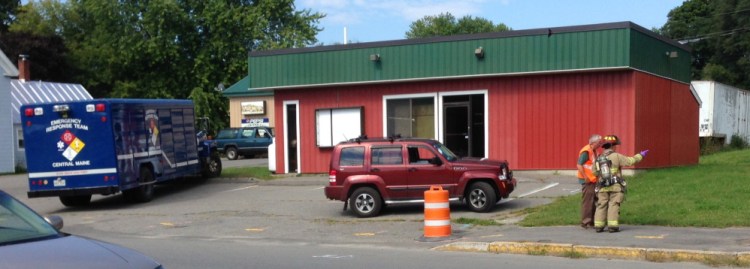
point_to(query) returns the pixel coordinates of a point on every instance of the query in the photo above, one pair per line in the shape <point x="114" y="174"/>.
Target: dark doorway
<point x="291" y="127"/>
<point x="463" y="124"/>
<point x="457" y="130"/>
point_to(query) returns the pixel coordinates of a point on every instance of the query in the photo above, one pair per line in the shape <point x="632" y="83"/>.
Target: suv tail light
<point x="332" y="177"/>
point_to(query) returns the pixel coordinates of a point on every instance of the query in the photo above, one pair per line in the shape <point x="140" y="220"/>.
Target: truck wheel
<point x="232" y="153"/>
<point x="481" y="197"/>
<point x="213" y="167"/>
<point x="366" y="202"/>
<point x="77" y="200"/>
<point x="144" y="192"/>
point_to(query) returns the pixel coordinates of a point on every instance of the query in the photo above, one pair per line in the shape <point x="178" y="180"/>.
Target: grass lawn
<point x="254" y="172"/>
<point x="715" y="193"/>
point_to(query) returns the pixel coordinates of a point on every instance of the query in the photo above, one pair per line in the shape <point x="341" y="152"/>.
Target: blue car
<point x="28" y="240"/>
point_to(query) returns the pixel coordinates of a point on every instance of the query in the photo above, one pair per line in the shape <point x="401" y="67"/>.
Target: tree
<point x="719" y="33"/>
<point x="7" y="13"/>
<point x="169" y="48"/>
<point x="47" y="55"/>
<point x="446" y="24"/>
<point x="690" y="24"/>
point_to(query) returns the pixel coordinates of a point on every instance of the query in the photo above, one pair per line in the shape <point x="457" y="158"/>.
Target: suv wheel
<point x="365" y="202"/>
<point x="481" y="197"/>
<point x="232" y="153"/>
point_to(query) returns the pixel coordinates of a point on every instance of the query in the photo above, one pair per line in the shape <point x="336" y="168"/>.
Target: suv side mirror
<point x="436" y="161"/>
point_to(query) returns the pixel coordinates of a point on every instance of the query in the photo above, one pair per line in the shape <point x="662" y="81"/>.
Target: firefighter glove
<point x="644" y="152"/>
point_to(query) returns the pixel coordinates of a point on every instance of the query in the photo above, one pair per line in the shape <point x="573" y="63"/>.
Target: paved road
<point x="293" y="213"/>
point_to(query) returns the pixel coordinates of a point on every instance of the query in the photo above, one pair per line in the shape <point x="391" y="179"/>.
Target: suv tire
<point x="232" y="153"/>
<point x="365" y="202"/>
<point x="480" y="197"/>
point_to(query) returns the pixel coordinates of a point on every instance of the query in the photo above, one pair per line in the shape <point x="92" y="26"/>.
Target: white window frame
<point x="486" y="115"/>
<point x="434" y="96"/>
<point x="286" y="138"/>
<point x="330" y="125"/>
<point x="19" y="138"/>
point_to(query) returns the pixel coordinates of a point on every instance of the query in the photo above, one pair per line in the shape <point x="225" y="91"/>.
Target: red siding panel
<point x="535" y="122"/>
<point x="685" y="114"/>
<point x="667" y="117"/>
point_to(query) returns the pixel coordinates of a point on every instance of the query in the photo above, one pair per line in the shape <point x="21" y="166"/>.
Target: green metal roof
<point x="242" y="88"/>
<point x="622" y="45"/>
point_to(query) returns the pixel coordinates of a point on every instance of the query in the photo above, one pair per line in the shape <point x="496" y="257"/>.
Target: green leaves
<point x="446" y="24"/>
<point x="719" y="34"/>
<point x="168" y="48"/>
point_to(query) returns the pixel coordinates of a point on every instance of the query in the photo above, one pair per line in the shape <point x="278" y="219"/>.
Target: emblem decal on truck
<point x="75" y="145"/>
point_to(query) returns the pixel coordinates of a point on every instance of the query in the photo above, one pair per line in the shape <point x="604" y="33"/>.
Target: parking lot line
<point x="243" y="188"/>
<point x="530" y="193"/>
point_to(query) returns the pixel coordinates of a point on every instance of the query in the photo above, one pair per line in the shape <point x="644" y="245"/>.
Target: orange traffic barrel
<point x="437" y="213"/>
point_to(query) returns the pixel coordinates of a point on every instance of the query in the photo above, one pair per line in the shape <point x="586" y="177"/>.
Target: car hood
<point x="477" y="162"/>
<point x="72" y="252"/>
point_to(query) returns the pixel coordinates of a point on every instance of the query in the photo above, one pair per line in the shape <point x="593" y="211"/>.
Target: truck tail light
<point x="29" y="112"/>
<point x="95" y="108"/>
<point x="332" y="177"/>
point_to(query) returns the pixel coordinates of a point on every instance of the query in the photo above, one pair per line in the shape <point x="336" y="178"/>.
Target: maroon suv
<point x="371" y="173"/>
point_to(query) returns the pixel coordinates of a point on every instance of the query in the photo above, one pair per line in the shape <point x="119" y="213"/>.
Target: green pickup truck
<point x="245" y="141"/>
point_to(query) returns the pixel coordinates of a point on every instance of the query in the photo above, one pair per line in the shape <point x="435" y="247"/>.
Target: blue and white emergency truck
<point x="105" y="146"/>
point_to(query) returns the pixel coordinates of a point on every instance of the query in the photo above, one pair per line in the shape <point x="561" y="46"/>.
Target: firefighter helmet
<point x="611" y="139"/>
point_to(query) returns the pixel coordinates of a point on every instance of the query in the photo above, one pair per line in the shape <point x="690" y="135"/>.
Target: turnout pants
<point x="608" y="206"/>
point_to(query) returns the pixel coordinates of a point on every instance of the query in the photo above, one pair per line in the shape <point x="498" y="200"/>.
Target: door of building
<point x="292" y="140"/>
<point x="457" y="128"/>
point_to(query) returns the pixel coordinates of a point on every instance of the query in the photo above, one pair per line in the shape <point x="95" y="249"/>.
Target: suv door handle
<point x="375" y="170"/>
<point x="412" y="169"/>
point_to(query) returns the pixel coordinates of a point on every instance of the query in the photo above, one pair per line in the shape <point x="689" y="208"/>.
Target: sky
<point x="382" y="20"/>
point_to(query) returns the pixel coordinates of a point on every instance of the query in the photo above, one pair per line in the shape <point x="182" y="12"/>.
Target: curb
<point x="713" y="258"/>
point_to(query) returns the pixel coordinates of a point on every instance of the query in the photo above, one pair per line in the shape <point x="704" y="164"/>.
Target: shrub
<point x="738" y="142"/>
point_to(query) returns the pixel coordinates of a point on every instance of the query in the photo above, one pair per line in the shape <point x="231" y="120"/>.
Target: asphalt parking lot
<point x="244" y="161"/>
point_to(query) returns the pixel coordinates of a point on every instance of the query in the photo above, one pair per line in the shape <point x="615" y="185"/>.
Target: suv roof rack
<point x="365" y="138"/>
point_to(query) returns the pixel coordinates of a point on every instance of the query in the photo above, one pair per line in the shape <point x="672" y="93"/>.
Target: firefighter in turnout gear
<point x="587" y="179"/>
<point x="611" y="185"/>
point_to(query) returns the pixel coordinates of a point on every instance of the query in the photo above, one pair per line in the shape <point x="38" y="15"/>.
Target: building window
<point x="411" y="117"/>
<point x="21" y="145"/>
<point x="337" y="124"/>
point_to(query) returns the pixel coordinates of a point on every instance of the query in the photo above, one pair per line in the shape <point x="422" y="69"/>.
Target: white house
<point x="9" y="72"/>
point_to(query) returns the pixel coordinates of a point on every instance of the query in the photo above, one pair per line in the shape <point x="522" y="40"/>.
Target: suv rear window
<point x="352" y="156"/>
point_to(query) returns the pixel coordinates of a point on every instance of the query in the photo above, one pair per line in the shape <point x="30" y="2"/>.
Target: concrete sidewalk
<point x="716" y="247"/>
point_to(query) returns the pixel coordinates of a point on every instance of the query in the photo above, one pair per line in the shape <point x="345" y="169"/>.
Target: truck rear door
<point x="70" y="148"/>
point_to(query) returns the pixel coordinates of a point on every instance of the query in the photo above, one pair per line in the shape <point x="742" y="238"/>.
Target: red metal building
<point x="532" y="97"/>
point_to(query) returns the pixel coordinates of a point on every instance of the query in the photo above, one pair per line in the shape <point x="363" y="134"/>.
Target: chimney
<point x="24" y="68"/>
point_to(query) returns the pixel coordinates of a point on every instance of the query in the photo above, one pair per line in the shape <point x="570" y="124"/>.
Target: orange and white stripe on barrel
<point x="437" y="212"/>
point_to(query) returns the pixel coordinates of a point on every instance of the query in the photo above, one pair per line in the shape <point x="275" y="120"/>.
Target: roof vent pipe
<point x="24" y="68"/>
